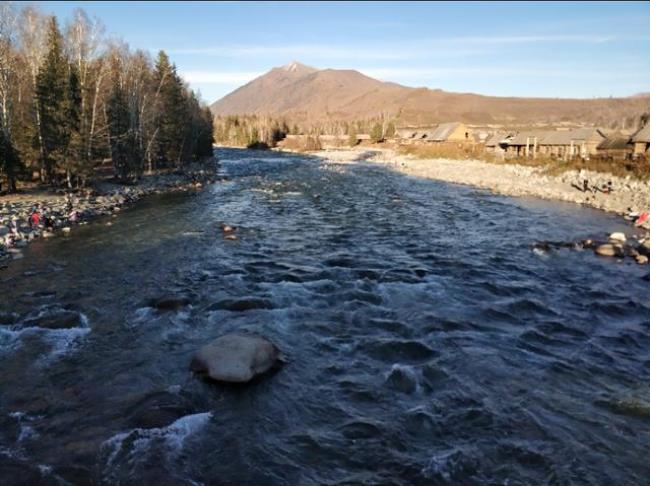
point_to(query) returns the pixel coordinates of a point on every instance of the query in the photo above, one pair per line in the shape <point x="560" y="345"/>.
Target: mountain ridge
<point x="307" y="95"/>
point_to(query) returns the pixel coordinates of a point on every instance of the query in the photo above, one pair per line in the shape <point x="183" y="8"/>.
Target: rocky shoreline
<point x="104" y="198"/>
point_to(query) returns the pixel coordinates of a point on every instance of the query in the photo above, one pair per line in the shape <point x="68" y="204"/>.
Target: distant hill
<point x="307" y="95"/>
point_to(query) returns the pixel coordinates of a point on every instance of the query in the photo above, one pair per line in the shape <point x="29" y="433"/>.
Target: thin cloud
<point x="219" y="77"/>
<point x="392" y="74"/>
<point x="400" y="50"/>
<point x="322" y="52"/>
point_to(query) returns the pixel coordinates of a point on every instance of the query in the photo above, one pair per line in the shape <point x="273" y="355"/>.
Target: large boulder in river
<point x="236" y="358"/>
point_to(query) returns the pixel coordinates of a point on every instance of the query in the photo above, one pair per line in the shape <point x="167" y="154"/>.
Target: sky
<point x="545" y="49"/>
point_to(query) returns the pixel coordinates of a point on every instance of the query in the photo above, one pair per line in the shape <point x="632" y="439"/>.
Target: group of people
<point x="37" y="219"/>
<point x="605" y="188"/>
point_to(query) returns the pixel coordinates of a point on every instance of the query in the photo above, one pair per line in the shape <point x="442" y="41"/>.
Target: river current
<point x="427" y="343"/>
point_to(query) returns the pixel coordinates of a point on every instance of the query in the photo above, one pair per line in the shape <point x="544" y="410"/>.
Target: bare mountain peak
<point x="298" y="67"/>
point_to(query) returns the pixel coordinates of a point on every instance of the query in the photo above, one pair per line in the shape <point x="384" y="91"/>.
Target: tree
<point x="83" y="41"/>
<point x="118" y="127"/>
<point x="390" y="130"/>
<point x="352" y="137"/>
<point x="377" y="133"/>
<point x="31" y="27"/>
<point x="171" y="111"/>
<point x="10" y="163"/>
<point x="57" y="92"/>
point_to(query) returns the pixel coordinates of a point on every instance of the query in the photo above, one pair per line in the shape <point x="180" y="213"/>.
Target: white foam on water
<point x="27" y="432"/>
<point x="540" y="253"/>
<point x="141" y="315"/>
<point x="137" y="442"/>
<point x="61" y="341"/>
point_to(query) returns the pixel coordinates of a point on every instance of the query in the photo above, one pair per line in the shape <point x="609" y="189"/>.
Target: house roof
<point x="558" y="137"/>
<point x="642" y="135"/>
<point x="496" y="139"/>
<point x="443" y="131"/>
<point x="615" y="143"/>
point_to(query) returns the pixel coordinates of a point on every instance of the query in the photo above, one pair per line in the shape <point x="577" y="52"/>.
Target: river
<point x="426" y="342"/>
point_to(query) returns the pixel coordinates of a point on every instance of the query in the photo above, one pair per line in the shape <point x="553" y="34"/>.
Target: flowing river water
<point x="426" y="342"/>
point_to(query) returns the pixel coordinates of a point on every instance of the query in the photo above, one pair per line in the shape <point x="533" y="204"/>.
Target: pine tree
<point x="10" y="163"/>
<point x="50" y="92"/>
<point x="206" y="134"/>
<point x="171" y="111"/>
<point x="118" y="128"/>
<point x="73" y="160"/>
<point x="57" y="91"/>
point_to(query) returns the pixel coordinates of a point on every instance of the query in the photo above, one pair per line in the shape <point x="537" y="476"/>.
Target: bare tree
<point x="32" y="48"/>
<point x="8" y="26"/>
<point x="84" y="40"/>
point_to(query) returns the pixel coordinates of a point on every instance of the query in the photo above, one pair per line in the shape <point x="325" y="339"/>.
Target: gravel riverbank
<point x="104" y="198"/>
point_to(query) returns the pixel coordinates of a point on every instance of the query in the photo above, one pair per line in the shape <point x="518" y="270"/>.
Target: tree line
<point x="71" y="98"/>
<point x="253" y="131"/>
<point x="258" y="131"/>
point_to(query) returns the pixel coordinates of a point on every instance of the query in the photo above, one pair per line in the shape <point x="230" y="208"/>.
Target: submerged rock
<point x="402" y="378"/>
<point x="169" y="303"/>
<point x="236" y="358"/>
<point x="242" y="305"/>
<point x="360" y="429"/>
<point x="54" y="318"/>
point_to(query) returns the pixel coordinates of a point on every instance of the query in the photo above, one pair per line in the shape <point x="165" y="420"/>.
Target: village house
<point x="445" y="132"/>
<point x="641" y="141"/>
<point x="616" y="146"/>
<point x="497" y="142"/>
<point x="579" y="142"/>
<point x="450" y="132"/>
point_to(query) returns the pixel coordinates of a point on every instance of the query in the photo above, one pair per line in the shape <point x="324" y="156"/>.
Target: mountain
<point x="306" y="95"/>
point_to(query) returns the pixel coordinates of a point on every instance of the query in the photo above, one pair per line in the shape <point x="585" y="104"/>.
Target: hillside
<point x="307" y="95"/>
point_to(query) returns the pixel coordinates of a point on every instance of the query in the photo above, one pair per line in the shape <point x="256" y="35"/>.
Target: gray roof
<point x="558" y="137"/>
<point x="615" y="142"/>
<point x="496" y="139"/>
<point x="642" y="135"/>
<point x="442" y="133"/>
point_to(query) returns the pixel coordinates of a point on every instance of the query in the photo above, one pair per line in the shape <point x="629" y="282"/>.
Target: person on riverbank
<point x="68" y="203"/>
<point x="34" y="219"/>
<point x="13" y="226"/>
<point x="48" y="223"/>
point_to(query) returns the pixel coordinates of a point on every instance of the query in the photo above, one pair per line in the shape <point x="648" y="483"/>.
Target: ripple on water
<point x="128" y="453"/>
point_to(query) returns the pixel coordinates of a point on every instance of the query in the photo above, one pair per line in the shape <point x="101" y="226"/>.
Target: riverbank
<point x="101" y="199"/>
<point x="627" y="197"/>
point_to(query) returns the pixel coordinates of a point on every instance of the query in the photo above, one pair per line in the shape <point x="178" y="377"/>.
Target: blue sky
<point x="548" y="49"/>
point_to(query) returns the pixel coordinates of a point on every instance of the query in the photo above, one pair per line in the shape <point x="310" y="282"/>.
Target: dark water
<point x="427" y="343"/>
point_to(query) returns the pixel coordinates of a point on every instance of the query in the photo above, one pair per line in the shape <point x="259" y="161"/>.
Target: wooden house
<point x="641" y="141"/>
